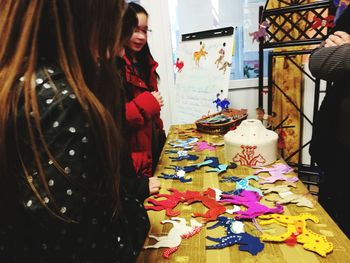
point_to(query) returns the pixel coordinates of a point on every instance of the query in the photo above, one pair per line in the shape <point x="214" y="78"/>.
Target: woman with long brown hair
<point x="62" y="194"/>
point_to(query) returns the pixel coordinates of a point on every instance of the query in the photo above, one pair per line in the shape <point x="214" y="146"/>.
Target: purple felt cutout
<point x="251" y="201"/>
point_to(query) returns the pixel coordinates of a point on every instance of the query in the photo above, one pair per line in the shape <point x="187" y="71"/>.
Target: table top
<point x="194" y="249"/>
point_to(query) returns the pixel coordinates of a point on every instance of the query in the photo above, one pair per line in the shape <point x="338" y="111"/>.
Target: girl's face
<point x="139" y="37"/>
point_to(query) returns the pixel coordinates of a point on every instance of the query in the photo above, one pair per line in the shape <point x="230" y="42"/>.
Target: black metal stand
<point x="281" y="26"/>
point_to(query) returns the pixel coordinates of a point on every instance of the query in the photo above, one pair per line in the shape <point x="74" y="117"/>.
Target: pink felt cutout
<point x="250" y="200"/>
<point x="201" y="146"/>
<point x="277" y="172"/>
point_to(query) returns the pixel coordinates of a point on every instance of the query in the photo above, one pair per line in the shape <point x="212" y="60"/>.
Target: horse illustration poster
<point x="205" y="73"/>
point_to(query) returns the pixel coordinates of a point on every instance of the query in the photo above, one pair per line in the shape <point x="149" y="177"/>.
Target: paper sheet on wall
<point x="251" y="24"/>
<point x="202" y="72"/>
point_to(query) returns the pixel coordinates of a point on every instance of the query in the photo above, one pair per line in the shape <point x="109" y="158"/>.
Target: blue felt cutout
<point x="246" y="242"/>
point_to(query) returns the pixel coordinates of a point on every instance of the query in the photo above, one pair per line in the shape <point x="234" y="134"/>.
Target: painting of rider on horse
<point x="201" y="53"/>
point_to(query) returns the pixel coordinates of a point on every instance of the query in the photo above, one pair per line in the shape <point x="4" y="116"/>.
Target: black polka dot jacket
<point x="31" y="233"/>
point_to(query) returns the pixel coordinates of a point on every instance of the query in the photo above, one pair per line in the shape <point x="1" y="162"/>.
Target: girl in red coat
<point x="144" y="102"/>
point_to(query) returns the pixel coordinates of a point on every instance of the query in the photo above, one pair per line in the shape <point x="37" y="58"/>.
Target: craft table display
<point x="215" y="236"/>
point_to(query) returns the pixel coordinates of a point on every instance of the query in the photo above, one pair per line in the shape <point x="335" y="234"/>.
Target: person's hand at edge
<point x="154" y="185"/>
<point x="338" y="38"/>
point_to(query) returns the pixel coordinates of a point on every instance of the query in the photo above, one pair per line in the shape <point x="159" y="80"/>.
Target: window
<point x="189" y="16"/>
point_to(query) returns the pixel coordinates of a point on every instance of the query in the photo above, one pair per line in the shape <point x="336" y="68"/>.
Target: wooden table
<point x="193" y="250"/>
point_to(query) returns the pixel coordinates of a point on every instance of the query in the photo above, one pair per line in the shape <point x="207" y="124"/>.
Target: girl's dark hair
<point x="137" y="8"/>
<point x="130" y="22"/>
<point x="144" y="56"/>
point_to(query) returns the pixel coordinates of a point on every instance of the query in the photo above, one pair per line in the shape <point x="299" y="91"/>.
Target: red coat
<point x="142" y="112"/>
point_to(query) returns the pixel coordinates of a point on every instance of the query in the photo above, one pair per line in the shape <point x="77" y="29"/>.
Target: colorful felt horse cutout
<point x="221" y="168"/>
<point x="251" y="201"/>
<point x="277" y="172"/>
<point x="186" y="144"/>
<point x="242" y="183"/>
<point x="201" y="146"/>
<point x="168" y="204"/>
<point x="208" y="161"/>
<point x="209" y="199"/>
<point x="235" y="235"/>
<point x="187" y="169"/>
<point x="212" y="162"/>
<point x="181" y="155"/>
<point x="286" y="196"/>
<point x="218" y="167"/>
<point x="178" y="175"/>
<point x="174" y="238"/>
<point x="297" y="232"/>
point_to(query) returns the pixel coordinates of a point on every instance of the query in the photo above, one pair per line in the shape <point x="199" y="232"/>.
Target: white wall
<point x="308" y="107"/>
<point x="194" y="16"/>
<point x="200" y="15"/>
<point x="160" y="45"/>
<point x="244" y="94"/>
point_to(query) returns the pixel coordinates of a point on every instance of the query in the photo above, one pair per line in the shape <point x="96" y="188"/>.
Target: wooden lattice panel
<point x="285" y="3"/>
<point x="297" y="23"/>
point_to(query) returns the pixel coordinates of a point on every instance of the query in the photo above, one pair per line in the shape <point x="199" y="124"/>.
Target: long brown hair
<point x="80" y="36"/>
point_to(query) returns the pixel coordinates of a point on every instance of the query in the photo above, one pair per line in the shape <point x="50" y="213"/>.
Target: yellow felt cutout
<point x="296" y="226"/>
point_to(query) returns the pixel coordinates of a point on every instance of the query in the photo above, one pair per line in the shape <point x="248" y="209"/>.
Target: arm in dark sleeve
<point x="130" y="183"/>
<point x="331" y="63"/>
<point x="134" y="186"/>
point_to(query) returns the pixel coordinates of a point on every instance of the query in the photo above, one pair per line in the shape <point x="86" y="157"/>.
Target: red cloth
<point x="142" y="110"/>
<point x="281" y="138"/>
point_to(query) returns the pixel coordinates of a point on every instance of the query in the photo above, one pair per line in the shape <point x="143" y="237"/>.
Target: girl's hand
<point x="158" y="97"/>
<point x="154" y="185"/>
